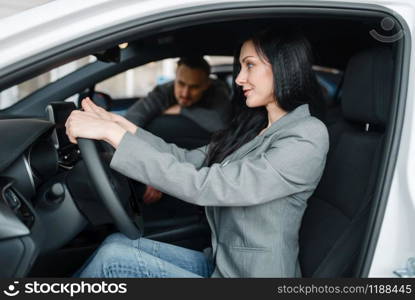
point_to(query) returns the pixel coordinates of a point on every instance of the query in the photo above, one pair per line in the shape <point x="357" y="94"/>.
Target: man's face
<point x="189" y="85"/>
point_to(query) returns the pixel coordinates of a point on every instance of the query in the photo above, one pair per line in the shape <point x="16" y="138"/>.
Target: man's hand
<point x="173" y="110"/>
<point x="151" y="195"/>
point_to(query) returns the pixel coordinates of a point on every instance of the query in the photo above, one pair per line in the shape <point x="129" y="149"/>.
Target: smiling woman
<point x="277" y="78"/>
<point x="255" y="77"/>
<point x="244" y="189"/>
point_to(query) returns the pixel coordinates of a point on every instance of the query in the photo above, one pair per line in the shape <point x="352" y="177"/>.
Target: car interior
<point x="52" y="213"/>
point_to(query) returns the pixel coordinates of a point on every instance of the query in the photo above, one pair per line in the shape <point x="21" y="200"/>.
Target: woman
<point x="254" y="178"/>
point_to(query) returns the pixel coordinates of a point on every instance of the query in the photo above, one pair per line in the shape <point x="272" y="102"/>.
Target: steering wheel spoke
<point x="105" y="189"/>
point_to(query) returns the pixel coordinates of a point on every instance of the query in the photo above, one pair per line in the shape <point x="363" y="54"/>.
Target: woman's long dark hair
<point x="289" y="54"/>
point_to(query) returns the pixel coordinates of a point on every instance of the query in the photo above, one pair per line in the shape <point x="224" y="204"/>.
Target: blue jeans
<point x="119" y="256"/>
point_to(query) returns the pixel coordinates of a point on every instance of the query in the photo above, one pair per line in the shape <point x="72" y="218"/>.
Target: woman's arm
<point x="196" y="156"/>
<point x="291" y="166"/>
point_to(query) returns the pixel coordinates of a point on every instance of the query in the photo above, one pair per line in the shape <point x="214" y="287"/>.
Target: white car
<point x="358" y="222"/>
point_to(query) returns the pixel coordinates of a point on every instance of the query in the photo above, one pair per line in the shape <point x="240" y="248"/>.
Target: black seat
<point x="179" y="130"/>
<point x="335" y="220"/>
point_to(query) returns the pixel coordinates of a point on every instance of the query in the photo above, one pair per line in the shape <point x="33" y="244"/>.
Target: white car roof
<point x="55" y="23"/>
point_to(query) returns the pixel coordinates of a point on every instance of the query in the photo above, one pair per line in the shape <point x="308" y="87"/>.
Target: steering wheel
<point x="106" y="191"/>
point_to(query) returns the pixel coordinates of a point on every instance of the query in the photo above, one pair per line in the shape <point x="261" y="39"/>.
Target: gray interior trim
<point x="29" y="172"/>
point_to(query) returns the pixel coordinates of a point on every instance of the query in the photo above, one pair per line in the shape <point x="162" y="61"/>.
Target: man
<point x="193" y="95"/>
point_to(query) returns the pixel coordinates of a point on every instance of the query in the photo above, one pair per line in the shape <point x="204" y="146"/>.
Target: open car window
<point x="17" y="92"/>
<point x="139" y="81"/>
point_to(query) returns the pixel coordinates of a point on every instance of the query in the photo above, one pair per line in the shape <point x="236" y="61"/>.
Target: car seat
<point x="335" y="221"/>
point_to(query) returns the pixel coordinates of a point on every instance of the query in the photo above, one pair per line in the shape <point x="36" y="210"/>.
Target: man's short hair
<point x="195" y="62"/>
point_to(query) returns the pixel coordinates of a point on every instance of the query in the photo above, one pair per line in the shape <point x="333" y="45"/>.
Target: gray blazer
<point x="254" y="199"/>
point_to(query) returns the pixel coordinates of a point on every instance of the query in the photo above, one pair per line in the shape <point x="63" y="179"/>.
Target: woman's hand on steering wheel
<point x="85" y="124"/>
<point x="89" y="106"/>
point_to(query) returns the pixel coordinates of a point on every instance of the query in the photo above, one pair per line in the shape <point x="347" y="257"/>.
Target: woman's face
<point x="255" y="77"/>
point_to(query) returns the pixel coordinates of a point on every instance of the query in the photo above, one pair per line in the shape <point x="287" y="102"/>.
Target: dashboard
<point x="37" y="210"/>
<point x="46" y="197"/>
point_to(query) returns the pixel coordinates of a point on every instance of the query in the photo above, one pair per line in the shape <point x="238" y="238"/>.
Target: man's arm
<point x="146" y="109"/>
<point x="212" y="114"/>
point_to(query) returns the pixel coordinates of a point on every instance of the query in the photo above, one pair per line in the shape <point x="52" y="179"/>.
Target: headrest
<point x="367" y="87"/>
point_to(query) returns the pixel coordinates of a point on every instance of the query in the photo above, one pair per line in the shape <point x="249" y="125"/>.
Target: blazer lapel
<point x="298" y="113"/>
